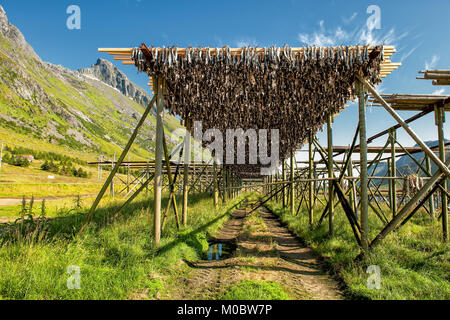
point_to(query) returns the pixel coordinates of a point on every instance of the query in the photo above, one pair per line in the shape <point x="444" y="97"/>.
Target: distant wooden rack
<point x="381" y="149"/>
<point x="413" y="102"/>
<point x="439" y="77"/>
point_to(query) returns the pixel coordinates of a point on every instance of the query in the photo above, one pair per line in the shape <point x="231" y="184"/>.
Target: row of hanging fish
<point x="269" y="88"/>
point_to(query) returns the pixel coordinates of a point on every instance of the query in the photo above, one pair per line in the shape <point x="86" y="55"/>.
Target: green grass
<point x="255" y="290"/>
<point x="117" y="259"/>
<point x="255" y="224"/>
<point x="414" y="262"/>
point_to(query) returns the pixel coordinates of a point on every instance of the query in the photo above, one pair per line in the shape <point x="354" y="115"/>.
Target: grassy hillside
<point x="49" y="107"/>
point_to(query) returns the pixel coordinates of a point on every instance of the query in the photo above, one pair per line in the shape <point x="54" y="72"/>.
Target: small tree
<point x="45" y="166"/>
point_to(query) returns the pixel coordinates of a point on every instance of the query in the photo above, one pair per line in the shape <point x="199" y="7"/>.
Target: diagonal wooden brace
<point x="445" y="170"/>
<point x="117" y="165"/>
<point x="406" y="209"/>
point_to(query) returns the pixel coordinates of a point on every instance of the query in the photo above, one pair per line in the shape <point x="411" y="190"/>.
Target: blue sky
<point x="418" y="29"/>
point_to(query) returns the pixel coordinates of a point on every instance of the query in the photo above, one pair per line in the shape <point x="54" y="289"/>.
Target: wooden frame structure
<point x="305" y="182"/>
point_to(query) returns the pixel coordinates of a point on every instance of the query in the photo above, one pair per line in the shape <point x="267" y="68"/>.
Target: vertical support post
<point x="216" y="186"/>
<point x="389" y="170"/>
<point x="431" y="201"/>
<point x="187" y="157"/>
<point x="101" y="167"/>
<point x="315" y="176"/>
<point x="363" y="165"/>
<point x="392" y="137"/>
<point x="283" y="192"/>
<point x="311" y="177"/>
<point x="228" y="183"/>
<point x="158" y="158"/>
<point x="440" y="119"/>
<point x="112" y="180"/>
<point x="330" y="175"/>
<point x="1" y="157"/>
<point x="353" y="199"/>
<point x="291" y="202"/>
<point x="270" y="184"/>
<point x="147" y="175"/>
<point x="223" y="183"/>
<point x="128" y="175"/>
<point x="277" y="178"/>
<point x="350" y="182"/>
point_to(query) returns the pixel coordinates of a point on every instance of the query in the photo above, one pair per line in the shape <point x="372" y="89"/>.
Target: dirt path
<point x="266" y="251"/>
<point x="17" y="201"/>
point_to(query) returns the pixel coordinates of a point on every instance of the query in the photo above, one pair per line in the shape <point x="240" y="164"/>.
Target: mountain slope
<point x="90" y="111"/>
<point x="105" y="71"/>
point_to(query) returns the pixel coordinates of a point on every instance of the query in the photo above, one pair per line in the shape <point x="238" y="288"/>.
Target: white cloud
<point x="245" y="42"/>
<point x="434" y="59"/>
<point x="348" y="20"/>
<point x="366" y="34"/>
<point x="323" y="37"/>
<point x="439" y="91"/>
<point x="407" y="54"/>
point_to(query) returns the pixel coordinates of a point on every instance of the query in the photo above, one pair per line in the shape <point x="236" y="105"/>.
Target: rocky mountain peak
<point x="14" y="35"/>
<point x="107" y="72"/>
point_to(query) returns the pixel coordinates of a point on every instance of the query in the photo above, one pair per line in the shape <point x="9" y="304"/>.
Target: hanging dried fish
<point x="274" y="88"/>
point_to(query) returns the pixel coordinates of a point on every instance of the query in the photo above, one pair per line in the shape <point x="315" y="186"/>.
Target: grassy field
<point x="413" y="261"/>
<point x="255" y="290"/>
<point x="16" y="182"/>
<point x="116" y="257"/>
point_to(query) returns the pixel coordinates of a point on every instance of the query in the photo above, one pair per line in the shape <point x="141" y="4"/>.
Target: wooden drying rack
<point x="125" y="55"/>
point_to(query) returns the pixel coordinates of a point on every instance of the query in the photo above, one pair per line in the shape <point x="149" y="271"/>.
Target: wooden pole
<point x="117" y="165"/>
<point x="101" y="168"/>
<point x="223" y="183"/>
<point x="216" y="186"/>
<point x="98" y="167"/>
<point x="363" y="165"/>
<point x="128" y="175"/>
<point x="227" y="183"/>
<point x="147" y="173"/>
<point x="171" y="183"/>
<point x="315" y="183"/>
<point x="392" y="137"/>
<point x="389" y="172"/>
<point x="405" y="126"/>
<point x="440" y="119"/>
<point x="1" y="157"/>
<point x="112" y="181"/>
<point x="291" y="201"/>
<point x="431" y="200"/>
<point x="407" y="207"/>
<point x="187" y="157"/>
<point x="330" y="175"/>
<point x="311" y="183"/>
<point x="158" y="158"/>
<point x="283" y="193"/>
